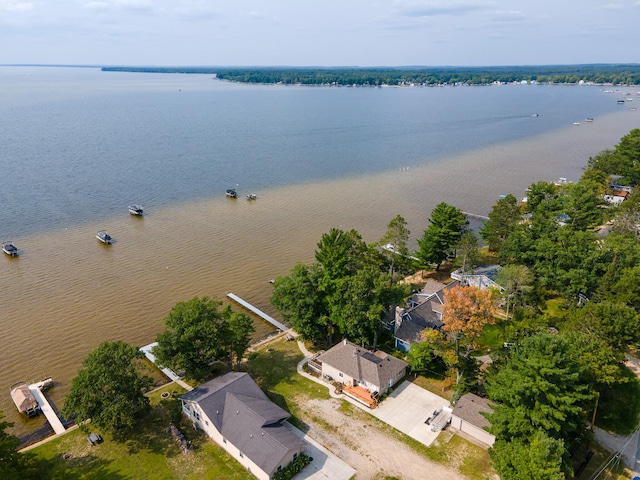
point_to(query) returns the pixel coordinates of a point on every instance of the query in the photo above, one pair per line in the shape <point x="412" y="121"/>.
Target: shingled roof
<point x="245" y="416"/>
<point x="377" y="368"/>
<point x="470" y="407"/>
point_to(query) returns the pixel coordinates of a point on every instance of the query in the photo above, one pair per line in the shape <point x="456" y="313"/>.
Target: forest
<point x="557" y="330"/>
<point x="602" y="74"/>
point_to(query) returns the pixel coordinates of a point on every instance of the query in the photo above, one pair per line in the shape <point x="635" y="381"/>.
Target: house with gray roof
<point x="423" y="310"/>
<point x="238" y="416"/>
<point x="356" y="366"/>
<point x="468" y="417"/>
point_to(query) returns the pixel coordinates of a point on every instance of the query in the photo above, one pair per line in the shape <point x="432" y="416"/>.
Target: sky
<point x="319" y="32"/>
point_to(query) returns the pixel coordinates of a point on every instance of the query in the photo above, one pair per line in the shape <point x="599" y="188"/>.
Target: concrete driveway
<point x="407" y="408"/>
<point x="325" y="465"/>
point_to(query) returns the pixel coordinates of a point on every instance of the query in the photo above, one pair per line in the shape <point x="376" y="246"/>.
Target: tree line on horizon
<point x="613" y="74"/>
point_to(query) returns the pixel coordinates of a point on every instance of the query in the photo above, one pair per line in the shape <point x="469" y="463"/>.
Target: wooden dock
<point x="475" y="215"/>
<point x="152" y="358"/>
<point x="46" y="408"/>
<point x="258" y="312"/>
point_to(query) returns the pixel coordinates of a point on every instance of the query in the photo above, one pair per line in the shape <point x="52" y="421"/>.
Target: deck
<point x="360" y="395"/>
<point x="258" y="312"/>
<point x="46" y="408"/>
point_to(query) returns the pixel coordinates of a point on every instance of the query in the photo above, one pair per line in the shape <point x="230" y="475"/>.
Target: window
<point x="340" y="374"/>
<point x="224" y="440"/>
<point x="241" y="455"/>
<point x="295" y="455"/>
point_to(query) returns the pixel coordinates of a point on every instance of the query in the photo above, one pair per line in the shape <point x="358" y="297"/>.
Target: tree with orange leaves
<point x="465" y="313"/>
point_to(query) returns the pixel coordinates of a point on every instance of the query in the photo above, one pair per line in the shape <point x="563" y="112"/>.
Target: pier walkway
<point x="46" y="408"/>
<point x="173" y="376"/>
<point x="258" y="312"/>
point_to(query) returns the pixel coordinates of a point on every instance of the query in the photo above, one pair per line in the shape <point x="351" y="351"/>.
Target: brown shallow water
<point x="67" y="292"/>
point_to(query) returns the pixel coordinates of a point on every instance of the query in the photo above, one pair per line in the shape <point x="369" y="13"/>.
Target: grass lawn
<point x="150" y="452"/>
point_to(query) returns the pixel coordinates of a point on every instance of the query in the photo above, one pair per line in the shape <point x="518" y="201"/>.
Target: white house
<point x="239" y="417"/>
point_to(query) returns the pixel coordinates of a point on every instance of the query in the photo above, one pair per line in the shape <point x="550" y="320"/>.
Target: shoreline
<point x="87" y="293"/>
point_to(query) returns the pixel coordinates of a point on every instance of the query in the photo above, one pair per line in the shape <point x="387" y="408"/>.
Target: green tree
<point x="447" y="224"/>
<point x="517" y="281"/>
<point x="540" y="389"/>
<point x="541" y="458"/>
<point x="584" y="204"/>
<point x="109" y="389"/>
<point x="197" y="334"/>
<point x="302" y="303"/>
<point x="14" y="465"/>
<point x="503" y="218"/>
<point x="422" y="354"/>
<point x="238" y="333"/>
<point x="396" y="236"/>
<point x="468" y="252"/>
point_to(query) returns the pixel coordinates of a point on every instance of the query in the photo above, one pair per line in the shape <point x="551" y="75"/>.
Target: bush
<point x="293" y="468"/>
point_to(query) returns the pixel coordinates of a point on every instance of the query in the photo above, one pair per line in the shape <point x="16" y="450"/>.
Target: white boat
<point x="135" y="210"/>
<point x="10" y="249"/>
<point x="231" y="193"/>
<point x="23" y="399"/>
<point x="251" y="196"/>
<point x="104" y="237"/>
<point x="576" y="123"/>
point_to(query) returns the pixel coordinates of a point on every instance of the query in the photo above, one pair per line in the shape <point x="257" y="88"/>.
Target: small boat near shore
<point x="231" y="193"/>
<point x="135" y="210"/>
<point x="10" y="249"/>
<point x="23" y="399"/>
<point x="251" y="196"/>
<point x="588" y="119"/>
<point x="576" y="123"/>
<point x="104" y="237"/>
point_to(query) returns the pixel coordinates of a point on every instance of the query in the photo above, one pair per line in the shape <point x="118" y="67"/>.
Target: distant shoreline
<point x="597" y="74"/>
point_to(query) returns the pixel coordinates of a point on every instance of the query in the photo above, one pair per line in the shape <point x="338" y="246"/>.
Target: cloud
<point x="15" y="6"/>
<point x="613" y="6"/>
<point x="508" y="16"/>
<point x="138" y="5"/>
<point x="433" y="8"/>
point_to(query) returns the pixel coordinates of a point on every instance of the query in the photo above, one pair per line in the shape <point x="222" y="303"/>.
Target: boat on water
<point x="588" y="119"/>
<point x="251" y="196"/>
<point x="633" y="109"/>
<point x="10" y="249"/>
<point x="104" y="237"/>
<point x="620" y="102"/>
<point x="231" y="193"/>
<point x="24" y="400"/>
<point x="576" y="123"/>
<point x="135" y="210"/>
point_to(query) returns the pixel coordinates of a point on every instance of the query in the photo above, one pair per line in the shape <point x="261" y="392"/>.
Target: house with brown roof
<point x="355" y="366"/>
<point x="239" y="417"/>
<point x="467" y="417"/>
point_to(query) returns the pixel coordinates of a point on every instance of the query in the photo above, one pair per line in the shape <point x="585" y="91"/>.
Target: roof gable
<point x="376" y="368"/>
<point x="245" y="416"/>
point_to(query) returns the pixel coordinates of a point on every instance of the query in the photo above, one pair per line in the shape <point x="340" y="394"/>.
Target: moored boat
<point x="231" y="193"/>
<point x="104" y="237"/>
<point x="251" y="196"/>
<point x="588" y="119"/>
<point x="23" y="399"/>
<point x="135" y="210"/>
<point x="10" y="249"/>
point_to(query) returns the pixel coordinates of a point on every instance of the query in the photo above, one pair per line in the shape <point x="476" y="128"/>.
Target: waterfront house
<point x="423" y="310"/>
<point x="365" y="374"/>
<point x="238" y="416"/>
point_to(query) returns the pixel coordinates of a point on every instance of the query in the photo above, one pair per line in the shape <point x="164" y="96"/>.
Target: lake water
<point x="79" y="145"/>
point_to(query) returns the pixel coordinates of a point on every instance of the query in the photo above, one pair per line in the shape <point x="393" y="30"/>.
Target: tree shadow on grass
<point x="87" y="467"/>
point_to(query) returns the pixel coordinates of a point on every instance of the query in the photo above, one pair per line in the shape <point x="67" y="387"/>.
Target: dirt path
<point x="353" y="436"/>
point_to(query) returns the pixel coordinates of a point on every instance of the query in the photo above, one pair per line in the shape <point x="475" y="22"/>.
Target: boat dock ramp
<point x="45" y="407"/>
<point x="258" y="312"/>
